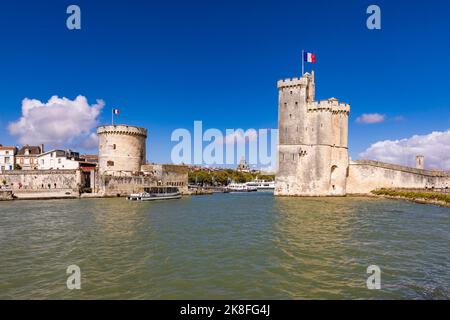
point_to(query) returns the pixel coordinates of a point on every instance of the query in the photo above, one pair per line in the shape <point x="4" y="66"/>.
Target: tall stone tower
<point x="121" y="149"/>
<point x="313" y="141"/>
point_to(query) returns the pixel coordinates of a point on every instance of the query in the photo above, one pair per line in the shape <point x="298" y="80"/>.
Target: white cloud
<point x="434" y="146"/>
<point x="371" y="118"/>
<point x="58" y="123"/>
<point x="91" y="142"/>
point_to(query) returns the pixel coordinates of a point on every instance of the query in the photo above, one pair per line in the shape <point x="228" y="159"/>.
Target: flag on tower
<point x="309" y="57"/>
<point x="114" y="112"/>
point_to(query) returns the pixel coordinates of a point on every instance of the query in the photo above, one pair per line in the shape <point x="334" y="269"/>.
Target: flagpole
<point x="112" y="116"/>
<point x="303" y="62"/>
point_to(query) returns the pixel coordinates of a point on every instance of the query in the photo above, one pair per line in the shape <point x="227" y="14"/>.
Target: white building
<point x="7" y="158"/>
<point x="58" y="159"/>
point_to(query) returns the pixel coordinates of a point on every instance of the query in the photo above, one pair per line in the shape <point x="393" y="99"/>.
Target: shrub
<point x="428" y="195"/>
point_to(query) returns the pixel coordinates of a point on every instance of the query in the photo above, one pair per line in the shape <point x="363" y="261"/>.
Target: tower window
<point x="291" y="91"/>
<point x="290" y="116"/>
<point x="285" y="105"/>
<point x="296" y="103"/>
<point x="293" y="156"/>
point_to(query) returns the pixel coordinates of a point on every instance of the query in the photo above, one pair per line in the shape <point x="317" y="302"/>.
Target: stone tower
<point x="420" y="162"/>
<point x="313" y="141"/>
<point x="121" y="149"/>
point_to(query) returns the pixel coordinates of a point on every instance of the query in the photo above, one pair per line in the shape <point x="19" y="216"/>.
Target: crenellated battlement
<point x="122" y="130"/>
<point x="329" y="105"/>
<point x="291" y="82"/>
<point x="295" y="82"/>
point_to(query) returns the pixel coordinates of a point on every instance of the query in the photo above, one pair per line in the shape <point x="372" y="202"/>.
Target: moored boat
<point x="262" y="185"/>
<point x="240" y="187"/>
<point x="156" y="193"/>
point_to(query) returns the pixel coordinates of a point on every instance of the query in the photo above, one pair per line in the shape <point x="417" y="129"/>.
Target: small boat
<point x="240" y="187"/>
<point x="262" y="185"/>
<point x="156" y="193"/>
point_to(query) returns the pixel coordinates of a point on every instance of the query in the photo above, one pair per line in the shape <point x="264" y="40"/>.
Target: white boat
<point x="156" y="193"/>
<point x="240" y="187"/>
<point x="262" y="185"/>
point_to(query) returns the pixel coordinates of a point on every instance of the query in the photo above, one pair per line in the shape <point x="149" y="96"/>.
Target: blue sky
<point x="166" y="64"/>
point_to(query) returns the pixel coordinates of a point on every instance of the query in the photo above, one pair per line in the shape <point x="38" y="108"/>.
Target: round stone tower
<point x="121" y="148"/>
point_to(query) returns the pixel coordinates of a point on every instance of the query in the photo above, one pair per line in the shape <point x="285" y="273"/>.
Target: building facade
<point x="27" y="156"/>
<point x="58" y="160"/>
<point x="91" y="158"/>
<point x="243" y="166"/>
<point x="313" y="146"/>
<point x="7" y="158"/>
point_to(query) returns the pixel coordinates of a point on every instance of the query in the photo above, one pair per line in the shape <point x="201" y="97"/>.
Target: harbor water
<point x="224" y="246"/>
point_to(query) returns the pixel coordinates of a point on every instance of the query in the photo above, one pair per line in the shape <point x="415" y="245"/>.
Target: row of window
<point x="26" y="160"/>
<point x="285" y="104"/>
<point x="51" y="161"/>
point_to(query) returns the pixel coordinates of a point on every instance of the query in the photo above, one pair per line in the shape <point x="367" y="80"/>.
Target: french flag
<point x="116" y="111"/>
<point x="309" y="57"/>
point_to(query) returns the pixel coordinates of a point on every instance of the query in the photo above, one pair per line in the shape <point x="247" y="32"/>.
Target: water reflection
<point x="118" y="217"/>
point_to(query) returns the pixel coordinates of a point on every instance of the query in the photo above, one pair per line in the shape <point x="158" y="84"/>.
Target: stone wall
<point x="311" y="171"/>
<point x="110" y="185"/>
<point x="43" y="183"/>
<point x="169" y="175"/>
<point x="367" y="175"/>
<point x="151" y="175"/>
